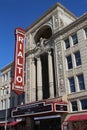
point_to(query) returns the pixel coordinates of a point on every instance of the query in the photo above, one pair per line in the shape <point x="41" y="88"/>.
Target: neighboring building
<point x="5" y="87"/>
<point x="55" y="73"/>
<point x="8" y="99"/>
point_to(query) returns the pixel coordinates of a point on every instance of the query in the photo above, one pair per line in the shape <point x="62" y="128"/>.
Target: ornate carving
<point x="42" y="46"/>
<point x="60" y="66"/>
<point x="41" y="43"/>
<point x="60" y="69"/>
<point x="56" y="21"/>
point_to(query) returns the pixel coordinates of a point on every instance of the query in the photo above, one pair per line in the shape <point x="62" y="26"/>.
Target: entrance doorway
<point x="48" y="124"/>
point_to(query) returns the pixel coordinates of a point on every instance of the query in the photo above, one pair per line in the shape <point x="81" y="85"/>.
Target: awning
<point x="77" y="117"/>
<point x="2" y="124"/>
<point x="10" y="124"/>
<point x="13" y="123"/>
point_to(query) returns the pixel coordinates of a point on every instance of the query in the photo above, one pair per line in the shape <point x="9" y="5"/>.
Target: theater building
<point x="55" y="71"/>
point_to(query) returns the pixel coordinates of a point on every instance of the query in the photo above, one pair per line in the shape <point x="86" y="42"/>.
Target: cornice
<point x="48" y="12"/>
<point x="76" y="25"/>
<point x="77" y="95"/>
<point x="6" y="67"/>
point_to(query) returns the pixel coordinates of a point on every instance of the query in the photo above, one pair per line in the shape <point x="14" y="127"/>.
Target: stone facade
<point x="49" y="48"/>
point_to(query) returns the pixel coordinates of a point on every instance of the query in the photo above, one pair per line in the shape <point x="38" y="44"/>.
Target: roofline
<point x="47" y="12"/>
<point x="6" y="67"/>
<point x="70" y="26"/>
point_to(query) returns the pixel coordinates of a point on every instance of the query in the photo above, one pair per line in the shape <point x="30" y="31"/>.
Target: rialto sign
<point x="18" y="81"/>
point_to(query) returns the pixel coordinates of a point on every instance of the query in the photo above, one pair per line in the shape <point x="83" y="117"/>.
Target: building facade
<point x="55" y="74"/>
<point x="8" y="99"/>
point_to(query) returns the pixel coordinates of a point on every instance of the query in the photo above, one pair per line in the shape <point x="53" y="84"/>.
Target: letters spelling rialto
<point x="18" y="83"/>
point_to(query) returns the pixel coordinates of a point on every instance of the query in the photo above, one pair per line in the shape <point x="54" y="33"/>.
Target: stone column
<point x="33" y="81"/>
<point x="51" y="82"/>
<point x="39" y="79"/>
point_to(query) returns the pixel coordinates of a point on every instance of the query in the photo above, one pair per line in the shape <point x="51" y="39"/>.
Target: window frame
<point x="72" y="86"/>
<point x="77" y="56"/>
<point x="69" y="62"/>
<point x="67" y="43"/>
<point x="85" y="29"/>
<point x="73" y="106"/>
<point x="82" y="107"/>
<point x="81" y="82"/>
<point x="75" y="39"/>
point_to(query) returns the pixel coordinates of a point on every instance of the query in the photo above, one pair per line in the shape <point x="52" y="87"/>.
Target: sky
<point x="22" y="13"/>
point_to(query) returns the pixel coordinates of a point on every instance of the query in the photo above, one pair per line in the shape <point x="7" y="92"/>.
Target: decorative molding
<point x="75" y="29"/>
<point x="77" y="95"/>
<point x="60" y="69"/>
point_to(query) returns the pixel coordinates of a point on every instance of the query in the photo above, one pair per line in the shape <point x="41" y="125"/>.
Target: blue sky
<point x="22" y="13"/>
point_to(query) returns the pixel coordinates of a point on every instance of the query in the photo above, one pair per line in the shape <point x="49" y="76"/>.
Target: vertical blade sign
<point x="18" y="83"/>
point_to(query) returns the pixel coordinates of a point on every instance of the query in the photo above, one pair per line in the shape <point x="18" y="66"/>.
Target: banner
<point x="19" y="57"/>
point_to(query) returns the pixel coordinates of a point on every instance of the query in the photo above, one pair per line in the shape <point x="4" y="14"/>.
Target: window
<point x="19" y="99"/>
<point x="3" y="79"/>
<point x="77" y="58"/>
<point x="72" y="84"/>
<point x="67" y="43"/>
<point x="85" y="31"/>
<point x="6" y="76"/>
<point x="22" y="98"/>
<point x="4" y="104"/>
<point x="9" y="101"/>
<point x="75" y="39"/>
<point x="83" y="104"/>
<point x="69" y="62"/>
<point x="9" y="75"/>
<point x="2" y="92"/>
<point x="12" y="102"/>
<point x="1" y="105"/>
<point x="81" y="82"/>
<point x="74" y="106"/>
